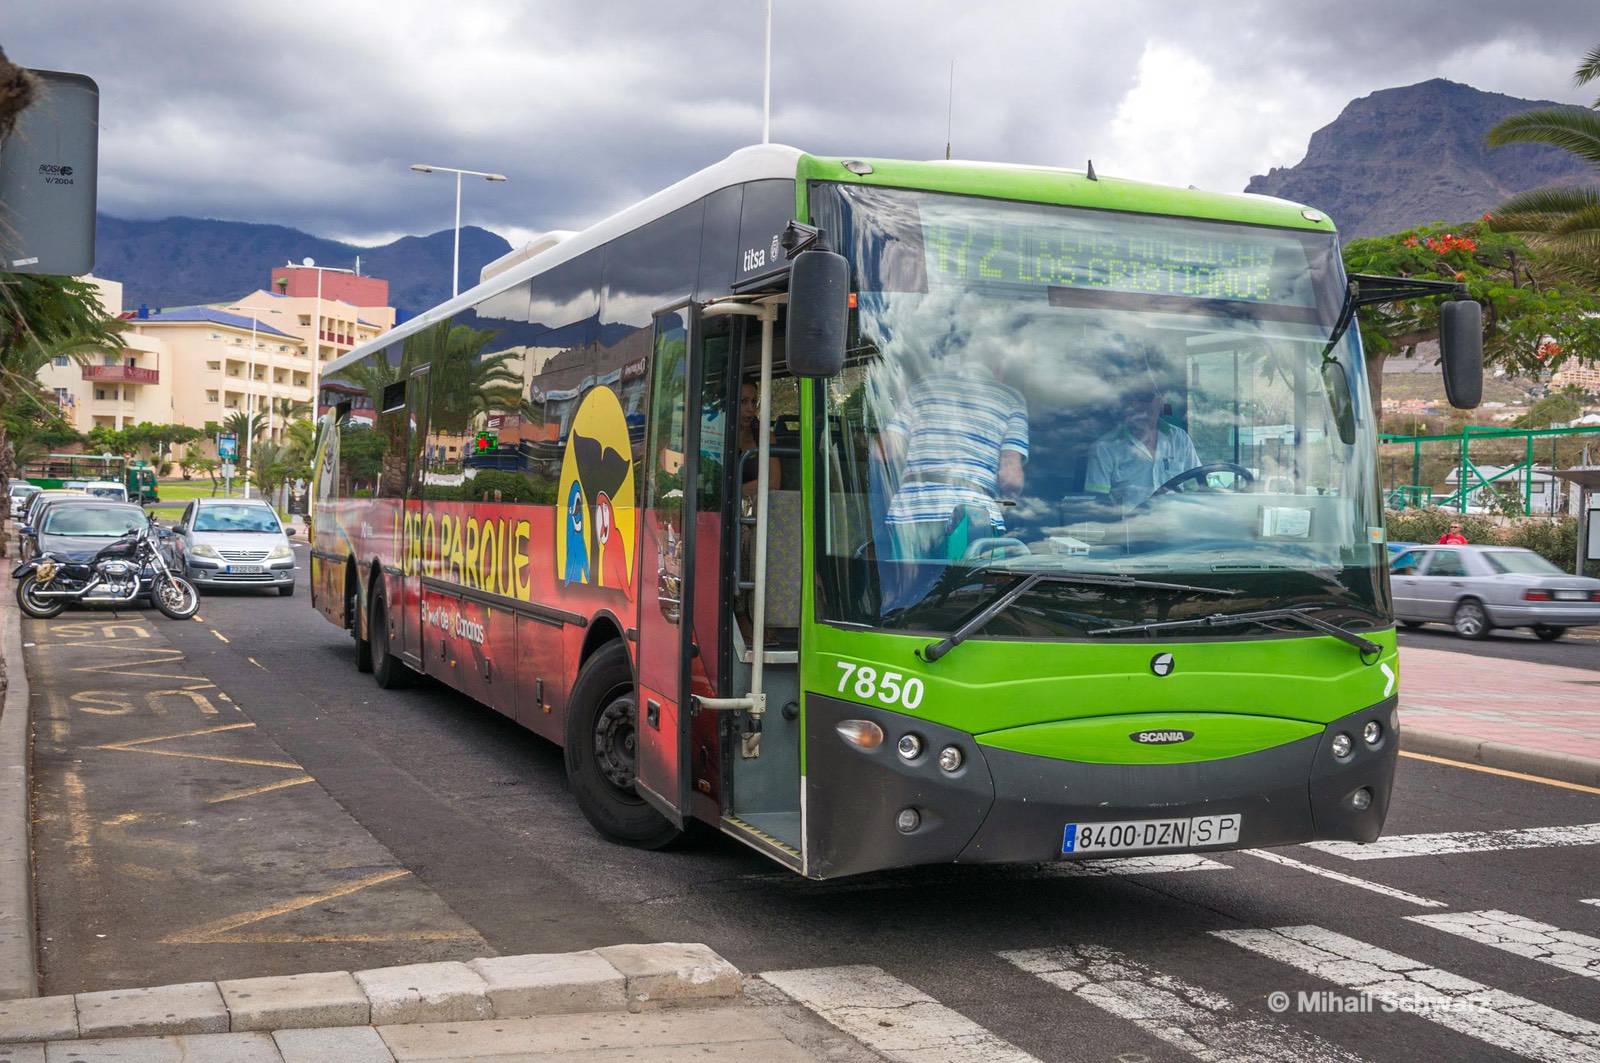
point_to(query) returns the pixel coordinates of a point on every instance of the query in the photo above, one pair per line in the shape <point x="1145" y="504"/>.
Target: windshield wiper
<point x="1302" y="615"/>
<point x="934" y="650"/>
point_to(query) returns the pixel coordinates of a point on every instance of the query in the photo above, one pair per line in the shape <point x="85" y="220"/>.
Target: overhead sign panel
<point x="47" y="180"/>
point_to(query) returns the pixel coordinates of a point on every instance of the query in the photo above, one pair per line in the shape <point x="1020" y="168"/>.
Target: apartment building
<point x="194" y="364"/>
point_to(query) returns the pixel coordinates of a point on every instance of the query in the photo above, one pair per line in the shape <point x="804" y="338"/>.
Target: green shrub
<point x="1553" y="538"/>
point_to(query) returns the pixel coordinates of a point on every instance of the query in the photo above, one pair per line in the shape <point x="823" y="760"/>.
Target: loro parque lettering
<point x="485" y="553"/>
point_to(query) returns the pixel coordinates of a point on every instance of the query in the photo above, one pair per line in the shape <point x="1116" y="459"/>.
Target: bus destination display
<point x="1143" y="255"/>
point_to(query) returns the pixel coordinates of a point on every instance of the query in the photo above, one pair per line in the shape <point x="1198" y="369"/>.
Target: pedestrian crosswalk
<point x="1320" y="971"/>
<point x="1464" y="842"/>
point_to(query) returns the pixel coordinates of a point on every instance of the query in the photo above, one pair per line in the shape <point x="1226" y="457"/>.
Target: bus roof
<point x="1038" y="184"/>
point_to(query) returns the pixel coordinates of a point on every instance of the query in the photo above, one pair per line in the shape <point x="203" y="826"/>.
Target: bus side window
<point x="564" y="316"/>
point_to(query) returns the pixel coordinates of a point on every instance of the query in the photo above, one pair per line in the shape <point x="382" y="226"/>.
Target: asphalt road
<point x="1169" y="959"/>
<point x="1579" y="648"/>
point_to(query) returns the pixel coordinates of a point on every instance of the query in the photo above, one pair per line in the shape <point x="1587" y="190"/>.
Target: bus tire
<point x="352" y="608"/>
<point x="600" y="746"/>
<point x="390" y="672"/>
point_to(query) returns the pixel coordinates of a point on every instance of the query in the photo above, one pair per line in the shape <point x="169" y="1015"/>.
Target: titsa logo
<point x="1161" y="664"/>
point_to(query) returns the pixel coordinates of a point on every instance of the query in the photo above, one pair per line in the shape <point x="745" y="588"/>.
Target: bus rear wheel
<point x="601" y="740"/>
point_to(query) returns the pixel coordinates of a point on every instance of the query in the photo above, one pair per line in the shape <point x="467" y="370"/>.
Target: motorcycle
<point x="48" y="583"/>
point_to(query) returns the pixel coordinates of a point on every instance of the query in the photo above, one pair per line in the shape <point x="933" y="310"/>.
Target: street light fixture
<point x="455" y="271"/>
<point x="316" y="335"/>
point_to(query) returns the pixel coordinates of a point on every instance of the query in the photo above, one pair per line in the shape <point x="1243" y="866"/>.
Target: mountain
<point x="1408" y="156"/>
<point x="179" y="261"/>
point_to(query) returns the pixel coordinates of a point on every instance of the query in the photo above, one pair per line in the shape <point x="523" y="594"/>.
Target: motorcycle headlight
<point x="202" y="550"/>
<point x="278" y="553"/>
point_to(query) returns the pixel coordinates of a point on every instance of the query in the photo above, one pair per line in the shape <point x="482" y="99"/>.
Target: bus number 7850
<point x="891" y="688"/>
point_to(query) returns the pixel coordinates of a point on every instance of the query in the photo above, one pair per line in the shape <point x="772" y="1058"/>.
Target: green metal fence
<point x="1470" y="478"/>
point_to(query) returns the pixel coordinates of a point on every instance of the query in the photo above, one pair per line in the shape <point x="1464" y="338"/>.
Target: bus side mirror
<point x="819" y="313"/>
<point x="1461" y="352"/>
<point x="1341" y="402"/>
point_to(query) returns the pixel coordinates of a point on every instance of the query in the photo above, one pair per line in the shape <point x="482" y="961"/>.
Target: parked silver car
<point x="235" y="542"/>
<point x="1476" y="589"/>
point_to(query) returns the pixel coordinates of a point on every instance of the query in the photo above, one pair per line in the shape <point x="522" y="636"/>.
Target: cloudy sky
<point x="308" y="114"/>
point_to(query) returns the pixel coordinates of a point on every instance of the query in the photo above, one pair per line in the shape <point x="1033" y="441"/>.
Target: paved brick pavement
<point x="1538" y="706"/>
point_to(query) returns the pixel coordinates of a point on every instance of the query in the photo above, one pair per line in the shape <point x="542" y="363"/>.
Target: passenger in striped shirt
<point x="959" y="440"/>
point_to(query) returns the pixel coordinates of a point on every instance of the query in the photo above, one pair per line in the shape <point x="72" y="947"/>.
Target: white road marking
<point x="899" y="1021"/>
<point x="1510" y="1023"/>
<point x="1348" y="880"/>
<point x="1468" y="841"/>
<point x="1572" y="952"/>
<point x="1180" y="1013"/>
<point x="1594" y="901"/>
<point x="1137" y="865"/>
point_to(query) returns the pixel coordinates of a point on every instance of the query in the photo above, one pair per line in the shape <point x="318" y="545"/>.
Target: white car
<point x="107" y="489"/>
<point x="234" y="542"/>
<point x="18" y="494"/>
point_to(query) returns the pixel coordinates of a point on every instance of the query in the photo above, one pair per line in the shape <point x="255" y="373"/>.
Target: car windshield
<point x="93" y="522"/>
<point x="241" y="518"/>
<point x="1520" y="563"/>
<point x="23" y="489"/>
<point x="1041" y="388"/>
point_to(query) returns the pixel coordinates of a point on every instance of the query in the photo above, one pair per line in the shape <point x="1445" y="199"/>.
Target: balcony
<point x="121" y="374"/>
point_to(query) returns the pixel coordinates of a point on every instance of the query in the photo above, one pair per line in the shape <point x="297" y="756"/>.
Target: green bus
<point x="887" y="513"/>
<point x="58" y="470"/>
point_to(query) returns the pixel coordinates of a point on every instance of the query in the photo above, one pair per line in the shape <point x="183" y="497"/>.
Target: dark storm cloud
<point x="308" y="114"/>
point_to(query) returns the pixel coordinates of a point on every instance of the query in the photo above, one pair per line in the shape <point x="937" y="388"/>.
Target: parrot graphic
<point x="577" y="541"/>
<point x="613" y="561"/>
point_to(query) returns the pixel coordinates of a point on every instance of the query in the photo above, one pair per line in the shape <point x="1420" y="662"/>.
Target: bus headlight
<point x="863" y="734"/>
<point x="908" y="820"/>
<point x="1372" y="732"/>
<point x="1361" y="800"/>
<point x="910" y="746"/>
<point x="1341" y="745"/>
<point x="949" y="758"/>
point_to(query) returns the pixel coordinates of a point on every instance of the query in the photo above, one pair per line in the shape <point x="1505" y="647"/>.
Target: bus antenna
<point x="950" y="110"/>
<point x="766" y="85"/>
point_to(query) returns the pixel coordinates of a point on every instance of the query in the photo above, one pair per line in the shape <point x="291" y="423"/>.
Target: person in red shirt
<point x="1453" y="537"/>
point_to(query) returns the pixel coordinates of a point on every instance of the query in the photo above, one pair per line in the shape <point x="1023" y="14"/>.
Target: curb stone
<point x="1565" y="767"/>
<point x="618" y="979"/>
<point x="18" y="971"/>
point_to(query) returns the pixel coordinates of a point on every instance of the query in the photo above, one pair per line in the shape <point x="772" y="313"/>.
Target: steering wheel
<point x="1200" y="472"/>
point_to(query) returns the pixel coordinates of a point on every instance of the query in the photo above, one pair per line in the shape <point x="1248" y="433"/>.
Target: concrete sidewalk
<point x="666" y="1001"/>
<point x="1517" y="715"/>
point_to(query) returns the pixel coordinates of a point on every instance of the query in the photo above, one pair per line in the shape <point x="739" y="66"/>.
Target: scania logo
<point x="1161" y="738"/>
<point x="1161" y="664"/>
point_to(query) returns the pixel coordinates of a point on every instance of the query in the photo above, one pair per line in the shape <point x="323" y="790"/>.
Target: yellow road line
<point x="185" y="734"/>
<point x="217" y="757"/>
<point x="1582" y="789"/>
<point x="257" y="663"/>
<point x="219" y="635"/>
<point x="79" y="838"/>
<point x="268" y="788"/>
<point x="207" y="933"/>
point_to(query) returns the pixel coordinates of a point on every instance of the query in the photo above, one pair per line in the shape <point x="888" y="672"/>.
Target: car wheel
<point x="601" y="745"/>
<point x="1411" y="625"/>
<point x="1470" y="621"/>
<point x="1548" y="632"/>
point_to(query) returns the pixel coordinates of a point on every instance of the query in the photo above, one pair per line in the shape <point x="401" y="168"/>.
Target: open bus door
<point x="665" y="569"/>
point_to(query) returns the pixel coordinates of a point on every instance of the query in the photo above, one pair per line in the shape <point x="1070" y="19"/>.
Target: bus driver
<point x="1131" y="461"/>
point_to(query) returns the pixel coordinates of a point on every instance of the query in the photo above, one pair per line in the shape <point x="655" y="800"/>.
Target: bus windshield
<point x="1038" y="388"/>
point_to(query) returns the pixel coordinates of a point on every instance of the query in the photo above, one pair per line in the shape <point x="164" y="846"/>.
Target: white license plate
<point x="245" y="570"/>
<point x="1138" y="835"/>
<point x="1570" y="596"/>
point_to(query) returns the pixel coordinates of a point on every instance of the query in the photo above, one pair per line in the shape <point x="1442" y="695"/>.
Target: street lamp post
<point x="316" y="328"/>
<point x="455" y="270"/>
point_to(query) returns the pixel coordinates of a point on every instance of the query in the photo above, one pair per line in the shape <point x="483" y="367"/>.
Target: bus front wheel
<point x="601" y="743"/>
<point x="390" y="672"/>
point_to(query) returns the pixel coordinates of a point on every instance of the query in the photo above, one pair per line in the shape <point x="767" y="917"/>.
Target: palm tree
<point x="1563" y="221"/>
<point x="269" y="463"/>
<point x="244" y="425"/>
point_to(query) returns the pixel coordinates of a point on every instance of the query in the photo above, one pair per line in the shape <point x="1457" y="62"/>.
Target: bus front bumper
<point x="1007" y="807"/>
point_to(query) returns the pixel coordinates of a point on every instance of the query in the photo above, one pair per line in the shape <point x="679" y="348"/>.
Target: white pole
<point x="455" y="265"/>
<point x="766" y="85"/>
<point x="316" y="347"/>
<point x="250" y="396"/>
